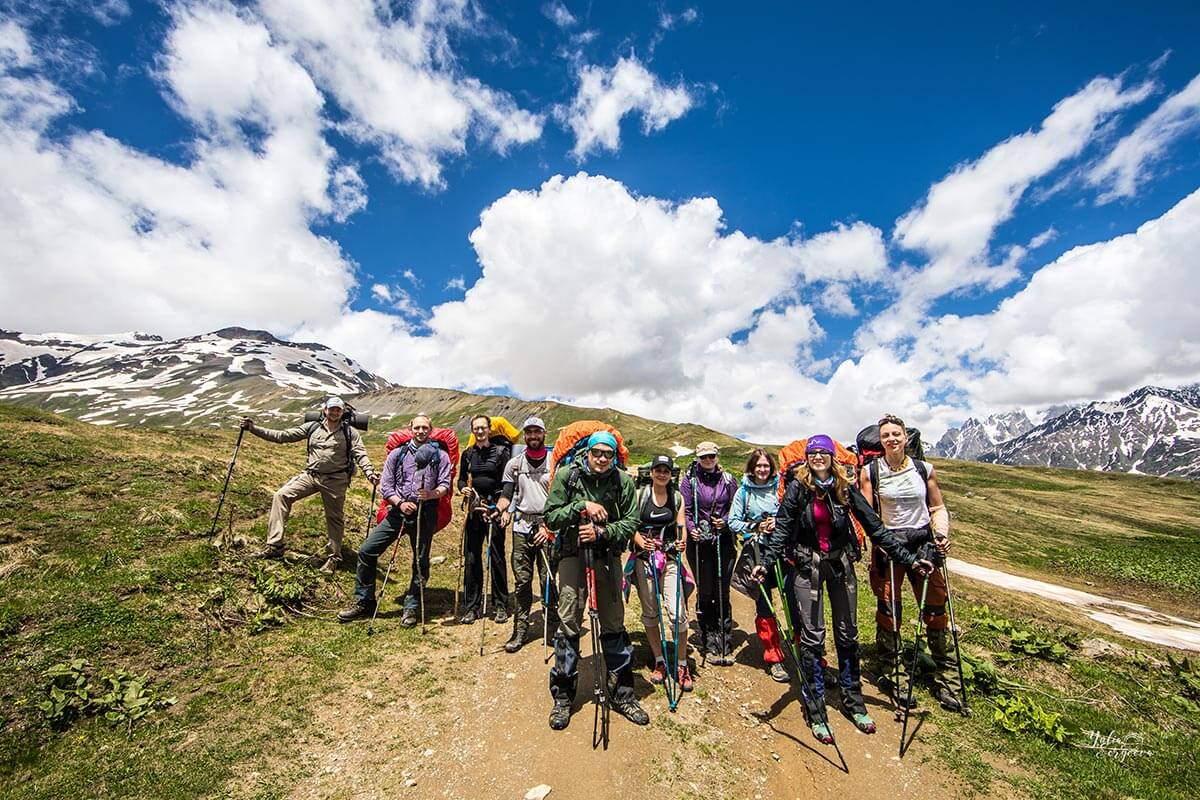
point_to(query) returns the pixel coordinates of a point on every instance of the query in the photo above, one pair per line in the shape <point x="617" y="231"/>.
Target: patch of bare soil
<point x="436" y="720"/>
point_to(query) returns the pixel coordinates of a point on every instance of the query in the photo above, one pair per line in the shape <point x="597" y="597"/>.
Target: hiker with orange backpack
<point x="522" y="502"/>
<point x="484" y="464"/>
<point x="906" y="494"/>
<point x="592" y="510"/>
<point x="708" y="494"/>
<point x="814" y="531"/>
<point x="752" y="518"/>
<point x="415" y="476"/>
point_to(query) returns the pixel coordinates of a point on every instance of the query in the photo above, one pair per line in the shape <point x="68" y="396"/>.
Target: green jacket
<point x="613" y="490"/>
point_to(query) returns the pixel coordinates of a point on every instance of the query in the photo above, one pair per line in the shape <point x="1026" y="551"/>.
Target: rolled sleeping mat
<point x="356" y="418"/>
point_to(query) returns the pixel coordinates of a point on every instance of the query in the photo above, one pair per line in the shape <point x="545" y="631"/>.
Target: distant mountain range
<point x="210" y="380"/>
<point x="1152" y="431"/>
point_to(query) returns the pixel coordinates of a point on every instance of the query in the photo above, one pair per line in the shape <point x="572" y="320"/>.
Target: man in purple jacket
<point x="708" y="494"/>
<point x="415" y="475"/>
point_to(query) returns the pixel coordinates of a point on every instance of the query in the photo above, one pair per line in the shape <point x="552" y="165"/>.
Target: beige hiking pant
<point x="333" y="496"/>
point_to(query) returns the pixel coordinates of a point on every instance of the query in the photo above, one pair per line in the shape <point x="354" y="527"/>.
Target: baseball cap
<point x="707" y="449"/>
<point x="534" y="422"/>
<point x="662" y="461"/>
<point x="334" y="402"/>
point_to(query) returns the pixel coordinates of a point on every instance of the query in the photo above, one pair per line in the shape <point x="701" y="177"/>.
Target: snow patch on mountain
<point x="131" y="378"/>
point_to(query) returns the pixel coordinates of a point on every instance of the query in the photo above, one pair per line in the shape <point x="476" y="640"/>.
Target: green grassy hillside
<point x="104" y="557"/>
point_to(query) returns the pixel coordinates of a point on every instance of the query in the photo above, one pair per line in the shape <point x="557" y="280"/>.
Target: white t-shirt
<point x="902" y="498"/>
<point x="531" y="486"/>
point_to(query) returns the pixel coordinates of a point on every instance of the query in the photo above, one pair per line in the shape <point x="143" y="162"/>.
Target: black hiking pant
<point x="478" y="531"/>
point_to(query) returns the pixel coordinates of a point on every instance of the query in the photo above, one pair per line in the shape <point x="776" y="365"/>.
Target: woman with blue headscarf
<point x="592" y="505"/>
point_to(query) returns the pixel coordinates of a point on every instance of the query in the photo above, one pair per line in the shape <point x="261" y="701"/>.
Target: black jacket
<point x="795" y="529"/>
<point x="485" y="465"/>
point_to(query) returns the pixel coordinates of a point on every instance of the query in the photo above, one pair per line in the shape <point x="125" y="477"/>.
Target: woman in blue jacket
<point x="752" y="518"/>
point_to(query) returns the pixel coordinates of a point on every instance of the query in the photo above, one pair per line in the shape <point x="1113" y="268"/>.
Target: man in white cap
<point x="334" y="447"/>
<point x="522" y="500"/>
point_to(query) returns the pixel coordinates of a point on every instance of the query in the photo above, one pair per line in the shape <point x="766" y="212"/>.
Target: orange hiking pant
<point x="884" y="574"/>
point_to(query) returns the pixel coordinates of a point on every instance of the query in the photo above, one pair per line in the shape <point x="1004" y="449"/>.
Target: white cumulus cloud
<point x="607" y="95"/>
<point x="398" y="81"/>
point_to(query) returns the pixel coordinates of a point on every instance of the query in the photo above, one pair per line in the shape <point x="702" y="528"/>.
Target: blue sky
<point x="798" y="123"/>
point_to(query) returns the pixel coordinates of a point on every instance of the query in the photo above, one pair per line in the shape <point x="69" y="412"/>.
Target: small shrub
<point x="120" y="697"/>
<point x="1017" y="714"/>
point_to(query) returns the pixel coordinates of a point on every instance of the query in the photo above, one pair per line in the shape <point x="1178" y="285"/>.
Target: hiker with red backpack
<point x="708" y="494"/>
<point x="814" y="530"/>
<point x="752" y="518"/>
<point x="483" y="463"/>
<point x="415" y="476"/>
<point x="334" y="447"/>
<point x="592" y="510"/>
<point x="905" y="491"/>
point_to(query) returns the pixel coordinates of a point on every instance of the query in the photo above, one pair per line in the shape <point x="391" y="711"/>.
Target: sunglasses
<point x="597" y="452"/>
<point x="708" y="455"/>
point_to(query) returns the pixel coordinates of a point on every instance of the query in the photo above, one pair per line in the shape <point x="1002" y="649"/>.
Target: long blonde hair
<point x="841" y="481"/>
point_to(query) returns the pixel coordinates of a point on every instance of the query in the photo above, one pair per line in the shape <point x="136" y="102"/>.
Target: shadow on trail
<point x="810" y="749"/>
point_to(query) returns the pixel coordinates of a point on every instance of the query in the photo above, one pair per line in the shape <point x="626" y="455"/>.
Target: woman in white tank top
<point x="907" y="496"/>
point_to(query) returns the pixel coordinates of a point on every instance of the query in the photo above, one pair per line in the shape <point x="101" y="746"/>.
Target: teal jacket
<point x="751" y="502"/>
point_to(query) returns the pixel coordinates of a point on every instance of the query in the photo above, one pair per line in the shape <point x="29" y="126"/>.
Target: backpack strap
<point x="873" y="470"/>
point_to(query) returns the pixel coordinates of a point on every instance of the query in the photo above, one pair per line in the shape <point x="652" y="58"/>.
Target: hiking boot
<point x="631" y="710"/>
<point x="778" y="672"/>
<point x="684" y="676"/>
<point x="821" y="733"/>
<point x="362" y="609"/>
<point x="948" y="699"/>
<point x="659" y="674"/>
<point x="469" y="617"/>
<point x="330" y="567"/>
<point x="501" y="616"/>
<point x="270" y="551"/>
<point x="518" y="638"/>
<point x="560" y="715"/>
<point x="410" y="617"/>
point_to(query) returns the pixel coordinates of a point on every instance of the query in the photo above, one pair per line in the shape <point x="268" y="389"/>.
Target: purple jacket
<point x="400" y="476"/>
<point x="715" y="489"/>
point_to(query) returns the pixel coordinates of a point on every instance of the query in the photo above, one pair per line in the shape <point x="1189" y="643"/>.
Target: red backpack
<point x="447" y="442"/>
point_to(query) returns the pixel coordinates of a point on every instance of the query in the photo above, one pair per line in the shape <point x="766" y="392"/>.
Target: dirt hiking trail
<point x="466" y="726"/>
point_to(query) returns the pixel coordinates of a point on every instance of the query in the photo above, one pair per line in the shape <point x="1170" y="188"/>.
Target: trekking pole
<point x="599" y="664"/>
<point x="672" y="696"/>
<point x="228" y="474"/>
<point x="806" y="689"/>
<point x="896" y="639"/>
<point x="386" y="575"/>
<point x="371" y="512"/>
<point x="420" y="569"/>
<point x="467" y="507"/>
<point x="912" y="675"/>
<point x="940" y="560"/>
<point x="487" y="584"/>
<point x="546" y="606"/>
<point x="721" y="603"/>
<point x="678" y="600"/>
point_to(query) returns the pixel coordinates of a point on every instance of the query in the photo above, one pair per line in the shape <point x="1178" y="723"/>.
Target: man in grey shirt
<point x="522" y="499"/>
<point x="334" y="446"/>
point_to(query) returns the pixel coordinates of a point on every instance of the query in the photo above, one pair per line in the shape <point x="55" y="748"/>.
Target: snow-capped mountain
<point x="976" y="439"/>
<point x="1153" y="431"/>
<point x="138" y="378"/>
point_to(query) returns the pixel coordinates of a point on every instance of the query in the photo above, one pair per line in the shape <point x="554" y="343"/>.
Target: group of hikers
<point x="788" y="535"/>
